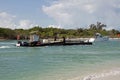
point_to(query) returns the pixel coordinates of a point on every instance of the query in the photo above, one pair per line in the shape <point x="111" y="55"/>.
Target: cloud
<point x="6" y="15"/>
<point x="54" y="26"/>
<point x="53" y="12"/>
<point x="10" y="21"/>
<point x="25" y="24"/>
<point x="77" y="13"/>
<point x="6" y="20"/>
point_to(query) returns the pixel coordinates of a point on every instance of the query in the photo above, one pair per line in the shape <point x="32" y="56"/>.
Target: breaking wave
<point x="98" y="76"/>
<point x="102" y="75"/>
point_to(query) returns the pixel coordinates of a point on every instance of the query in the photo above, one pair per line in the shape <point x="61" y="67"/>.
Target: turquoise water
<point x="58" y="62"/>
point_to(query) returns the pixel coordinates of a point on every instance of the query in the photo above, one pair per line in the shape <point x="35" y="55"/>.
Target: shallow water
<point x="99" y="61"/>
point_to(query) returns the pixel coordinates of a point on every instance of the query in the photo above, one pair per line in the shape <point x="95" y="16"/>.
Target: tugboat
<point x="35" y="41"/>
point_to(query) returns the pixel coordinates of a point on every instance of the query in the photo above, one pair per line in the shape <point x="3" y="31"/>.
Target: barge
<point x="35" y="41"/>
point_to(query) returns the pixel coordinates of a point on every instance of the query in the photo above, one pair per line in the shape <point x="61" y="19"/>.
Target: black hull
<point x="56" y="44"/>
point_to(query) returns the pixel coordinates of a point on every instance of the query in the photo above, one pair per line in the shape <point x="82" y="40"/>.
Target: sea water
<point x="100" y="61"/>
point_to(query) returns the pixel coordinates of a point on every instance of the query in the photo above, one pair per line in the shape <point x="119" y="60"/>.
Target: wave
<point x="98" y="76"/>
<point x="102" y="75"/>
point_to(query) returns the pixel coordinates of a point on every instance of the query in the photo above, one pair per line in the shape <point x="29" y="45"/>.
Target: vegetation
<point x="56" y="32"/>
<point x="7" y="33"/>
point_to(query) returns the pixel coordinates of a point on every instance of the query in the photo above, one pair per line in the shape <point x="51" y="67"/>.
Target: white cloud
<point x="53" y="12"/>
<point x="6" y="15"/>
<point x="6" y="20"/>
<point x="54" y="26"/>
<point x="25" y="24"/>
<point x="9" y="21"/>
<point x="77" y="13"/>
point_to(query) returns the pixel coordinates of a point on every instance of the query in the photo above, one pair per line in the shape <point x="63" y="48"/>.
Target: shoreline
<point x="3" y="39"/>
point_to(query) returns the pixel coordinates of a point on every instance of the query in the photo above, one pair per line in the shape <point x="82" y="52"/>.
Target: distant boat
<point x="99" y="37"/>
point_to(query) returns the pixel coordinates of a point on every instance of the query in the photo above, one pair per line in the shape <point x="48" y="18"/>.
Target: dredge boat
<point x="35" y="41"/>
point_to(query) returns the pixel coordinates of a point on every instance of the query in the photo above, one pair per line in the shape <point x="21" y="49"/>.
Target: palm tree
<point x="100" y="26"/>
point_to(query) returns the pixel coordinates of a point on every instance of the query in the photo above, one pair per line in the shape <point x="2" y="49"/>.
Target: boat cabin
<point x="34" y="36"/>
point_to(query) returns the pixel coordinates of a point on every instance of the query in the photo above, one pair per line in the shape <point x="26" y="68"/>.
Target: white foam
<point x="102" y="75"/>
<point x="97" y="76"/>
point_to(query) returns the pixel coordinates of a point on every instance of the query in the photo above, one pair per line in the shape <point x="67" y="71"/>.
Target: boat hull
<point x="53" y="44"/>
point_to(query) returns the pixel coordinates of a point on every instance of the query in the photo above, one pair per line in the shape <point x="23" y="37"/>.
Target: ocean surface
<point x="100" y="61"/>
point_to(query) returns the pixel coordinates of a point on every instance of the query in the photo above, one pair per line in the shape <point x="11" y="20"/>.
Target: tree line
<point x="51" y="32"/>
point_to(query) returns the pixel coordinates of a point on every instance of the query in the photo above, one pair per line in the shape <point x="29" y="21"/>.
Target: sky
<point x="73" y="14"/>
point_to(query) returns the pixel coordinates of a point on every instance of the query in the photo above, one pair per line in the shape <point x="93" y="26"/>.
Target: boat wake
<point x="6" y="45"/>
<point x="2" y="47"/>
